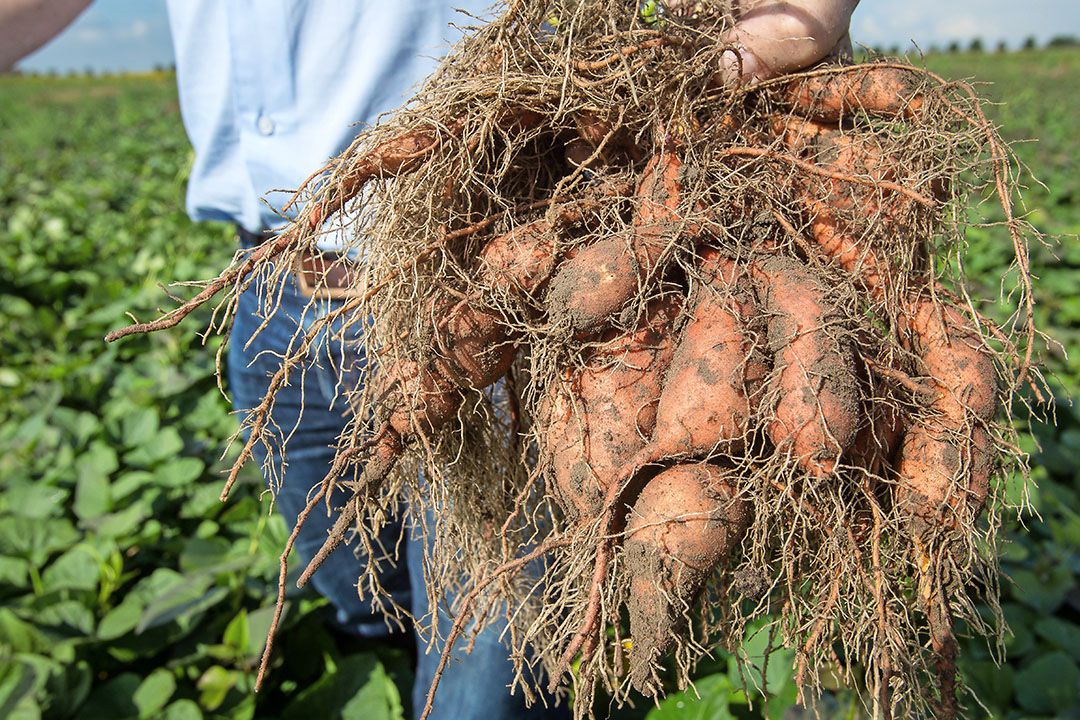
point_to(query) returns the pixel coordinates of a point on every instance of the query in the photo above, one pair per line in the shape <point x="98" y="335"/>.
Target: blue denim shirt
<point x="271" y="89"/>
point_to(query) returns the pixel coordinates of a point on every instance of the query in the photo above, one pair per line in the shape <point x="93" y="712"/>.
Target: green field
<point x="128" y="591"/>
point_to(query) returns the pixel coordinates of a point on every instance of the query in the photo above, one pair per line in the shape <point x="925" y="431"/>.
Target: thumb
<point x="774" y="38"/>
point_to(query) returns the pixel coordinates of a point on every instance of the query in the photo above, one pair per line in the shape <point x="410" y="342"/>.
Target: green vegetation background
<point x="128" y="591"/>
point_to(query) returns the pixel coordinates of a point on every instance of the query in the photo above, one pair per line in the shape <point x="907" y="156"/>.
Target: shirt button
<point x="265" y="125"/>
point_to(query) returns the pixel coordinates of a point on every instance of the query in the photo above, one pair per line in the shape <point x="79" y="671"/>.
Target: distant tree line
<point x="978" y="45"/>
<point x="88" y="71"/>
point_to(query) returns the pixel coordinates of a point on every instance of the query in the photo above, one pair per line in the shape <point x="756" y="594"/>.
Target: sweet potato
<point x="419" y="397"/>
<point x="600" y="414"/>
<point x="945" y="458"/>
<point x="591" y="287"/>
<point x="880" y="91"/>
<point x="944" y="476"/>
<point x="592" y="129"/>
<point x="956" y="358"/>
<point x="475" y="348"/>
<point x="686" y="521"/>
<point x="813" y="380"/>
<point x="657" y="221"/>
<point x="841" y="212"/>
<point x="398" y="154"/>
<point x="419" y="400"/>
<point x="876" y="442"/>
<point x="404" y="153"/>
<point x="711" y="387"/>
<point x="523" y="260"/>
<point x="520" y="261"/>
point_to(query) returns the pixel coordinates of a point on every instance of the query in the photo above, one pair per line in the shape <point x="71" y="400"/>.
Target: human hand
<point x="773" y="37"/>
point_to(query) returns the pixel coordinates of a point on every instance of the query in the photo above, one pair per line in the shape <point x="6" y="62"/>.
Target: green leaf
<point x="166" y="444"/>
<point x="19" y="635"/>
<point x="14" y="572"/>
<point x="36" y="500"/>
<point x="179" y="472"/>
<point x="121" y="620"/>
<point x="358" y="689"/>
<point x="154" y="692"/>
<point x="68" y="688"/>
<point x="139" y="427"/>
<point x="993" y="685"/>
<point x="92" y="495"/>
<point x="236" y="635"/>
<point x="1020" y="639"/>
<point x="709" y="702"/>
<point x="755" y="653"/>
<point x="259" y="625"/>
<point x="17" y="682"/>
<point x="205" y="554"/>
<point x="1043" y="591"/>
<point x="157" y="586"/>
<point x="182" y="605"/>
<point x="1060" y="634"/>
<point x="69" y="617"/>
<point x="214" y="686"/>
<point x="114" y="700"/>
<point x="123" y="523"/>
<point x="35" y="540"/>
<point x="130" y="482"/>
<point x="77" y="569"/>
<point x="183" y="710"/>
<point x="1050" y="684"/>
<point x="99" y="459"/>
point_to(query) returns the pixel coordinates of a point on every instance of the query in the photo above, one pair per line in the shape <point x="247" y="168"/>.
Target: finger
<point x="773" y="37"/>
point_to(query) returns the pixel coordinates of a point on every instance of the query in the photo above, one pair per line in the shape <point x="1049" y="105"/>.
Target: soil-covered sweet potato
<point x="880" y="91"/>
<point x="711" y="389"/>
<point x="600" y="414"/>
<point x="684" y="523"/>
<point x="945" y="458"/>
<point x="813" y="383"/>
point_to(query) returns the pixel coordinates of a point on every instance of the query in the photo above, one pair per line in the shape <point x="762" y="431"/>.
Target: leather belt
<point x="320" y="274"/>
<point x="326" y="275"/>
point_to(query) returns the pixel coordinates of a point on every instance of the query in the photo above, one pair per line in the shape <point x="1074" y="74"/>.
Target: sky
<point x="133" y="35"/>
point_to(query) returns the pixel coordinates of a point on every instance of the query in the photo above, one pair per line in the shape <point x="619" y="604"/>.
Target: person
<point x="268" y="92"/>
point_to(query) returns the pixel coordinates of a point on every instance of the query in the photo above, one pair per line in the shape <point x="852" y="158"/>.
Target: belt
<point x="326" y="274"/>
<point x="318" y="273"/>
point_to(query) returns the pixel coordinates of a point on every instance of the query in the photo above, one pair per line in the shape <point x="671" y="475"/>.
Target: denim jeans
<point x="473" y="685"/>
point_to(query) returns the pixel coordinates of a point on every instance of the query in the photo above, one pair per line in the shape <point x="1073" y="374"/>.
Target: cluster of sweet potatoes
<point x="742" y="358"/>
<point x="709" y="308"/>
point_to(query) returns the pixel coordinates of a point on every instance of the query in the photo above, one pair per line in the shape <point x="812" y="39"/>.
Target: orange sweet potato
<point x="880" y="91"/>
<point x="945" y="458"/>
<point x="657" y="221"/>
<point x="475" y="348"/>
<point x="598" y="281"/>
<point x="685" y="521"/>
<point x="839" y="211"/>
<point x="877" y="441"/>
<point x="417" y="399"/>
<point x="600" y="414"/>
<point x="711" y="387"/>
<point x="404" y="153"/>
<point x="520" y="261"/>
<point x="813" y="381"/>
<point x="592" y="286"/>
